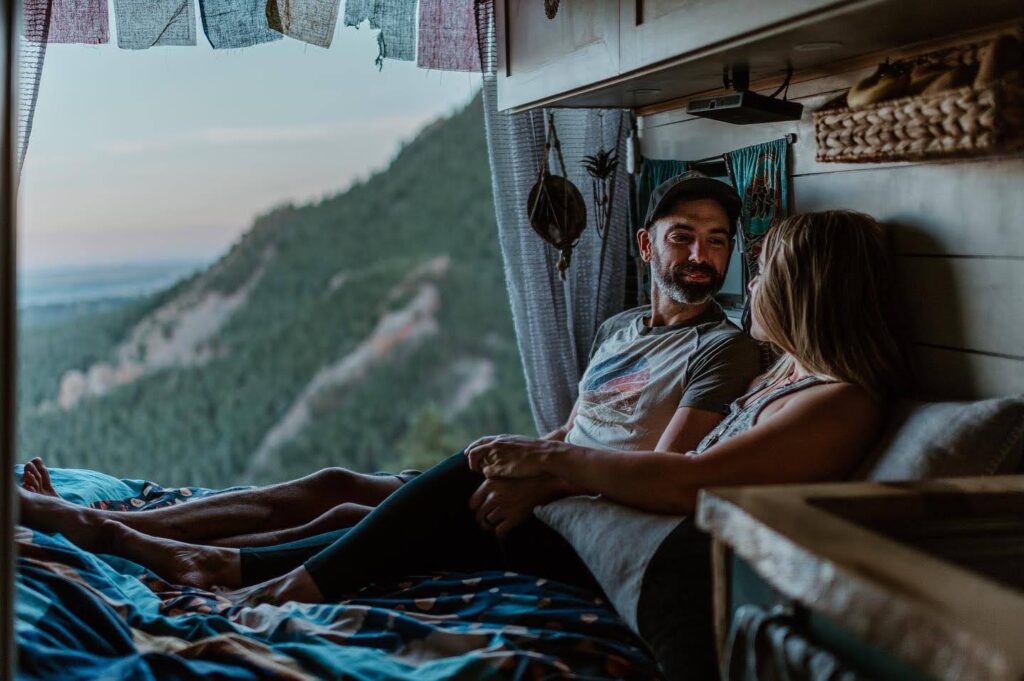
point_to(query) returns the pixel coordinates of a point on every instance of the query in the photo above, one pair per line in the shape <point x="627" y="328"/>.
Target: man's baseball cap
<point x="694" y="185"/>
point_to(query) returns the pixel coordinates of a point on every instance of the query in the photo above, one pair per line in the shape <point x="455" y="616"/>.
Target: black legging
<point x="424" y="526"/>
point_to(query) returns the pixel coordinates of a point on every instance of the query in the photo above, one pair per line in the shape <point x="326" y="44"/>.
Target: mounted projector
<point x="745" y="107"/>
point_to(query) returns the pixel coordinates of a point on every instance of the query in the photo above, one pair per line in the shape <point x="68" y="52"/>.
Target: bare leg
<point x="175" y="561"/>
<point x="345" y="515"/>
<point x="49" y="514"/>
<point x="256" y="512"/>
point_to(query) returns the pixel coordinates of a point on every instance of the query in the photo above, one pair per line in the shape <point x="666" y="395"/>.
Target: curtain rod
<point x="720" y="158"/>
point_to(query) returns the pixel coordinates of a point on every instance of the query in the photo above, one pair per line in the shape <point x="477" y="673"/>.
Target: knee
<point x="346" y="514"/>
<point x="334" y="479"/>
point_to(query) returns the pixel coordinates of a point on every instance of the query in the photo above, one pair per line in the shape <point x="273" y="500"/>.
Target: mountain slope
<point x="370" y="329"/>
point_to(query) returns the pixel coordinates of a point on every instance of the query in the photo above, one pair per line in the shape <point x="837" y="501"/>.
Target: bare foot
<point x="82" y="526"/>
<point x="177" y="562"/>
<point x="37" y="478"/>
<point x="297" y="585"/>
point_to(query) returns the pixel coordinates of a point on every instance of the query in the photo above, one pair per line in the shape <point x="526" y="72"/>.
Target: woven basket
<point x="959" y="122"/>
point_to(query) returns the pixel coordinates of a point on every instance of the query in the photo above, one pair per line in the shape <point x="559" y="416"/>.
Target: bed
<point x="86" y="616"/>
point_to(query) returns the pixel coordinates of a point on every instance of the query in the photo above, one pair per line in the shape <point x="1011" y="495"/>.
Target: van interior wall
<point x="957" y="233"/>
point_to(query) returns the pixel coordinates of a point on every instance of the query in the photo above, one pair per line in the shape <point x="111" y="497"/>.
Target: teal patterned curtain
<point x="761" y="176"/>
<point x="652" y="173"/>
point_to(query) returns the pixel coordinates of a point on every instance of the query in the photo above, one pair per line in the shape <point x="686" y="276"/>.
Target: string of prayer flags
<point x="236" y="23"/>
<point x="447" y="36"/>
<point x="142" y="24"/>
<point x="311" y="21"/>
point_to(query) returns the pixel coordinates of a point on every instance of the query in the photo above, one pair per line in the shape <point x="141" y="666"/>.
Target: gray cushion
<point x="616" y="542"/>
<point x="949" y="439"/>
<point x="656" y="571"/>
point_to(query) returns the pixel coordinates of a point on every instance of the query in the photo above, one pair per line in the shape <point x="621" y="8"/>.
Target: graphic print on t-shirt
<point x="617" y="383"/>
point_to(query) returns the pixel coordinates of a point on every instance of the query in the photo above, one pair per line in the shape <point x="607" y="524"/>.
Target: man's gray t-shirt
<point x="639" y="376"/>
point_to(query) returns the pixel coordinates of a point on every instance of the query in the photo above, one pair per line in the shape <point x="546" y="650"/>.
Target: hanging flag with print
<point x="396" y="20"/>
<point x="447" y="36"/>
<point x="142" y="24"/>
<point x="311" y="21"/>
<point x="236" y="23"/>
<point x="83" y="22"/>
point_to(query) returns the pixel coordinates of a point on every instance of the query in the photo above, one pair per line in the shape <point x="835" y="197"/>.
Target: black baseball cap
<point x="695" y="185"/>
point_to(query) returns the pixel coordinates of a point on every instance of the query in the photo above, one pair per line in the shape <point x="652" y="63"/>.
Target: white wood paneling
<point x="965" y="208"/>
<point x="948" y="374"/>
<point x="969" y="303"/>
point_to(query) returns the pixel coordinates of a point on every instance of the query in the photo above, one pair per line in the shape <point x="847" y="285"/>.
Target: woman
<point x="821" y="299"/>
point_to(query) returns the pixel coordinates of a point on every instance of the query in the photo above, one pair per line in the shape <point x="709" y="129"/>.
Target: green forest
<point x="370" y="329"/>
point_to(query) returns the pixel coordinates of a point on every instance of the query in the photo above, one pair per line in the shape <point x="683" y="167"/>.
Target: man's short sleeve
<point x="720" y="372"/>
<point x="608" y="327"/>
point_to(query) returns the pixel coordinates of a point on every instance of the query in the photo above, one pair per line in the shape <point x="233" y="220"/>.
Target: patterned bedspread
<point x="84" y="616"/>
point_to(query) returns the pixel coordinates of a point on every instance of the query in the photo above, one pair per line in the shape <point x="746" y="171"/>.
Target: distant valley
<point x="370" y="329"/>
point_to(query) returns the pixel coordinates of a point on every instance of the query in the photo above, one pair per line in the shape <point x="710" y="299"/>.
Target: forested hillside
<point x="370" y="329"/>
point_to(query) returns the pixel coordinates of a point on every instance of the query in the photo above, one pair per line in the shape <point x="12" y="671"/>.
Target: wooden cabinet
<point x="538" y="56"/>
<point x="645" y="54"/>
<point x="652" y="31"/>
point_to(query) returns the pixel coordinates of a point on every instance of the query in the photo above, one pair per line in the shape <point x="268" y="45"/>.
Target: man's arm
<point x="510" y="502"/>
<point x="687" y="428"/>
<point x="559" y="433"/>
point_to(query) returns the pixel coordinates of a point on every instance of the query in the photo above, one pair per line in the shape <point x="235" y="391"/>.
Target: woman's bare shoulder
<point x="849" y="399"/>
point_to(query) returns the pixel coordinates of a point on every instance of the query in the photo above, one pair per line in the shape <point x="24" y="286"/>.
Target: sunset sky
<point x="169" y="153"/>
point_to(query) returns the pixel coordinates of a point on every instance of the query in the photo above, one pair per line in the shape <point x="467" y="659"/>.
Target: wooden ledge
<point x="940" y="618"/>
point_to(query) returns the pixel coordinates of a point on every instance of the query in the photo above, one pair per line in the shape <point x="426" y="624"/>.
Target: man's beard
<point x="672" y="282"/>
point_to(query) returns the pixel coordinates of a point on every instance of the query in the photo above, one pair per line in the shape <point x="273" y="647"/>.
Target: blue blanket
<point x="86" y="616"/>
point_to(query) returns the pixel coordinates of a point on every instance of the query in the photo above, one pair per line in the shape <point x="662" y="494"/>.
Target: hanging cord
<point x="548" y="120"/>
<point x="785" y="84"/>
<point x="613" y="185"/>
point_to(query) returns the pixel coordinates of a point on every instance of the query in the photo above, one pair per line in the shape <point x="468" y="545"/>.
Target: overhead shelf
<point x="644" y="54"/>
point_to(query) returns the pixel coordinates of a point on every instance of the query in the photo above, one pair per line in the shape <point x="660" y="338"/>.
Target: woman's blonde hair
<point x="826" y="300"/>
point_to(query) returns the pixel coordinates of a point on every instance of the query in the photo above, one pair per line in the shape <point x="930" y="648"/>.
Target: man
<point x="660" y="377"/>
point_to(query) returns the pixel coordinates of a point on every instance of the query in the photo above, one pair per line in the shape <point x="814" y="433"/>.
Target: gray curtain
<point x="555" y="321"/>
<point x="32" y="38"/>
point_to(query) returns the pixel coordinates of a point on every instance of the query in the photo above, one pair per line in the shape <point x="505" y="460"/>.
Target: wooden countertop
<point x="812" y="543"/>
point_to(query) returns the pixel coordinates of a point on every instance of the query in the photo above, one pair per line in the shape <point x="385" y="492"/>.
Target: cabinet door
<point x="658" y="30"/>
<point x="540" y="57"/>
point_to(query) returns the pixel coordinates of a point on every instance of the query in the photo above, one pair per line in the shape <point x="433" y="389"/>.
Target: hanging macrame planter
<point x="555" y="206"/>
<point x="601" y="168"/>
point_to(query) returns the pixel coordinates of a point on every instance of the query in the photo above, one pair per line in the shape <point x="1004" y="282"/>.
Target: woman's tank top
<point x="741" y="419"/>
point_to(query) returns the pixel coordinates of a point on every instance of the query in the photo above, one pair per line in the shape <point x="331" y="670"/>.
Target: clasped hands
<point x="517" y="479"/>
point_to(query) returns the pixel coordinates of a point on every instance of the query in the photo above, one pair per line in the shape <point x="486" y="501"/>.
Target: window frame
<point x="9" y="16"/>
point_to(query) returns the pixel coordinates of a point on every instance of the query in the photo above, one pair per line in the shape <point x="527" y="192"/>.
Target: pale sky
<point x="169" y="153"/>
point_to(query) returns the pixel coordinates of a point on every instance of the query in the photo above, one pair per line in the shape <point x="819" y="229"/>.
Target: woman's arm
<point x="817" y="434"/>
